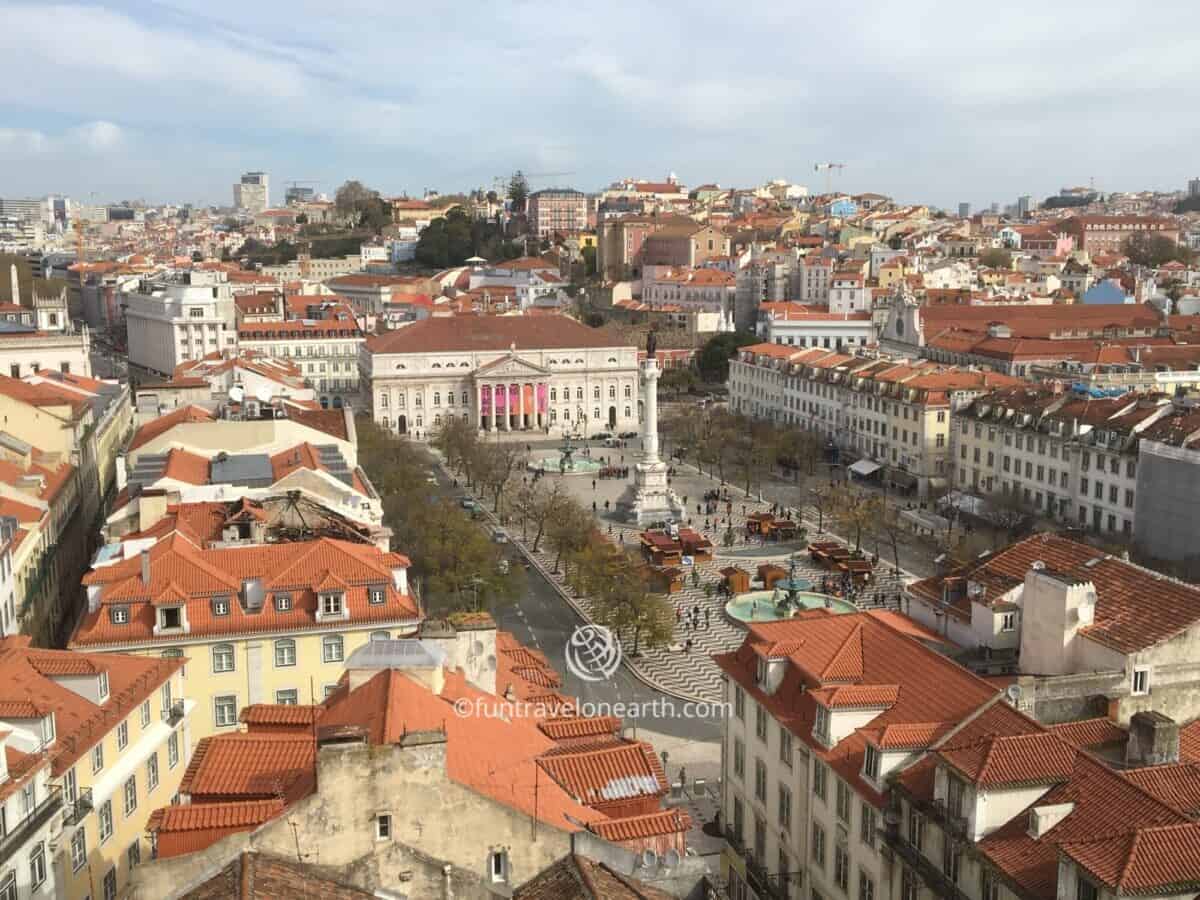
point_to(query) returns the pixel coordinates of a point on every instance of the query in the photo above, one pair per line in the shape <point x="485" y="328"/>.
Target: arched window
<point x="596" y="392"/>
<point x="449" y="398"/>
<point x="285" y="653"/>
<point x="222" y="658"/>
<point x="437" y="398"/>
<point x="612" y="392"/>
<point x="465" y="397"/>
<point x="627" y="412"/>
<point x="553" y="394"/>
<point x="578" y="393"/>
<point x="332" y="649"/>
<point x="628" y="392"/>
<point x="417" y="401"/>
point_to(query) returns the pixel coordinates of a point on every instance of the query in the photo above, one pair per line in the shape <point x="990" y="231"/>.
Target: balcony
<point x="31" y="824"/>
<point x="76" y="812"/>
<point x="173" y="714"/>
<point x="914" y="859"/>
<point x="764" y="883"/>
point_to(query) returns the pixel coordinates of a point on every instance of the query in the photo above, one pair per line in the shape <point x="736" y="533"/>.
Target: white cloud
<point x="100" y="135"/>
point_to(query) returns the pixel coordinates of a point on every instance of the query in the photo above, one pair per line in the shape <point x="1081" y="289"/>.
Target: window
<point x="785" y="807"/>
<point x="871" y="763"/>
<point x="739" y="702"/>
<point x="1141" y="681"/>
<point x="376" y="594"/>
<point x="760" y="781"/>
<point x="916" y="829"/>
<point x="37" y="865"/>
<point x="173" y="751"/>
<point x="1008" y="621"/>
<point x="78" y="848"/>
<point x="820" y="779"/>
<point x="134" y="854"/>
<point x="225" y="711"/>
<point x="122" y="736"/>
<point x="70" y="786"/>
<point x="283" y="602"/>
<point x="867" y="825"/>
<point x="866" y="886"/>
<point x="818" y="846"/>
<point x="104" y="817"/>
<point x="222" y="658"/>
<point x="760" y="722"/>
<point x="152" y="772"/>
<point x="285" y="653"/>
<point x="910" y="888"/>
<point x="821" y="724"/>
<point x="170" y="617"/>
<point x="951" y="859"/>
<point x="739" y="758"/>
<point x="130" y="792"/>
<point x="97" y="758"/>
<point x="843" y="801"/>
<point x="383" y="827"/>
<point x="785" y="746"/>
<point x="118" y="615"/>
<point x="498" y="865"/>
<point x="1085" y="890"/>
<point x="220" y="606"/>
<point x="289" y="697"/>
<point x="841" y="867"/>
<point x="110" y="884"/>
<point x="989" y="885"/>
<point x="331" y="604"/>
<point x="955" y="794"/>
<point x="145" y="713"/>
<point x="331" y="648"/>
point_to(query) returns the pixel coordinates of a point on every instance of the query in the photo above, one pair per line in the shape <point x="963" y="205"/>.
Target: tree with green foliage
<point x="518" y="191"/>
<point x="1154" y="250"/>
<point x="353" y="198"/>
<point x="589" y="261"/>
<point x="713" y="359"/>
<point x="995" y="258"/>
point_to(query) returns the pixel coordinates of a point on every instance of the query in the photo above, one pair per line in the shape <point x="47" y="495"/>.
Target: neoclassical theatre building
<point x="504" y="373"/>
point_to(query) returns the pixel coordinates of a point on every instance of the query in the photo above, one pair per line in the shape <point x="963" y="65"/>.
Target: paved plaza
<point x="673" y="669"/>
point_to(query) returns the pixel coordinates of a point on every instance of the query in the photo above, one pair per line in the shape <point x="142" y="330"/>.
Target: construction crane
<point x="827" y="168"/>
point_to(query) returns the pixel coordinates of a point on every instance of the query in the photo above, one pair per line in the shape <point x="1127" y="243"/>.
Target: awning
<point x="902" y="479"/>
<point x="864" y="467"/>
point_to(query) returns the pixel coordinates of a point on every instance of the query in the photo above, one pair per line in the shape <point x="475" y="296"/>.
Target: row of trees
<point x="550" y="519"/>
<point x="457" y="566"/>
<point x="1154" y="250"/>
<point x="455" y="238"/>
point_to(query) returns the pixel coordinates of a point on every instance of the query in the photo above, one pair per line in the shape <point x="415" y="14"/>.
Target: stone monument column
<point x="650" y="375"/>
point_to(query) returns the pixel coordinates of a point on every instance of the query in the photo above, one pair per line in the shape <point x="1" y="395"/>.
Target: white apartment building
<point x="876" y="413"/>
<point x="796" y="325"/>
<point x="29" y="808"/>
<point x="848" y="292"/>
<point x="503" y="373"/>
<point x="180" y="316"/>
<point x="1070" y="457"/>
<point x="825" y="710"/>
<point x="252" y="193"/>
<point x="812" y="279"/>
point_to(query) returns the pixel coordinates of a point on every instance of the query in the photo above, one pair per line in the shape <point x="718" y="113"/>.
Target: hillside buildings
<point x="536" y="373"/>
<point x="556" y="211"/>
<point x="180" y="316"/>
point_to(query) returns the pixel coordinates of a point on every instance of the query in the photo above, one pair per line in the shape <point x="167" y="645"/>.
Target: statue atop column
<point x="651" y="343"/>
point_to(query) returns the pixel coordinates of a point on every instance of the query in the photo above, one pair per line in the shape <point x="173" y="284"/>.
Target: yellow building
<point x="892" y="273"/>
<point x="116" y="728"/>
<point x="257" y="622"/>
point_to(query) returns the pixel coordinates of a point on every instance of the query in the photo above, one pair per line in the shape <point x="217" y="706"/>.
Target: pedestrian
<point x="593" y="484"/>
<point x="606" y="506"/>
<point x="621" y="537"/>
<point x="678" y="614"/>
<point x="687" y="647"/>
<point x="593" y="507"/>
<point x="682" y="777"/>
<point x="706" y="612"/>
<point x="609" y="524"/>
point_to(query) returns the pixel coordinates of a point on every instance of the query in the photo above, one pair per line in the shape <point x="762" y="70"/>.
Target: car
<point x="626" y="435"/>
<point x="467" y="503"/>
<point x="429" y="479"/>
<point x="600" y="435"/>
<point x="611" y="442"/>
<point x="499" y="537"/>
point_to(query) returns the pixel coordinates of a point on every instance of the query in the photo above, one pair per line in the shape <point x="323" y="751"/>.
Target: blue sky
<point x="922" y="100"/>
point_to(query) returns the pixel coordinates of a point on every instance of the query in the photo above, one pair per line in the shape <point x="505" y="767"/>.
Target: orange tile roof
<point x="996" y="761"/>
<point x="669" y="821"/>
<point x="1091" y="732"/>
<point x="1177" y="784"/>
<point x="27" y="685"/>
<point x="194" y="826"/>
<point x="608" y="774"/>
<point x="492" y="333"/>
<point x="251" y="766"/>
<point x="163" y="424"/>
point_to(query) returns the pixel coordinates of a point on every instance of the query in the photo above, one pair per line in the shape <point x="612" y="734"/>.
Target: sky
<point x="929" y="101"/>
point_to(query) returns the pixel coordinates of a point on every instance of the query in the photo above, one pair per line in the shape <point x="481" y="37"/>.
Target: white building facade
<point x="178" y="317"/>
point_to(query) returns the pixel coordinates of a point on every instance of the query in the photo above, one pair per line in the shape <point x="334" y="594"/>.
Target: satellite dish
<point x="649" y="858"/>
<point x="671" y="858"/>
<point x="263" y="393"/>
<point x="1013" y="692"/>
<point x="236" y="394"/>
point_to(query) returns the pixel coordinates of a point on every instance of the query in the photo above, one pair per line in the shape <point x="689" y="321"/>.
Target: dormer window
<point x="762" y="671"/>
<point x="283" y="602"/>
<point x="376" y="594"/>
<point x="332" y="605"/>
<point x="102" y="686"/>
<point x="48" y="729"/>
<point x="220" y="606"/>
<point x="871" y="763"/>
<point x="955" y="794"/>
<point x="118" y="615"/>
<point x="170" y="617"/>
<point x="821" y="724"/>
<point x="1085" y="890"/>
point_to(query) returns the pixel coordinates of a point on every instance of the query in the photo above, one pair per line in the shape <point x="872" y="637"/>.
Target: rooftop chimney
<point x="145" y="557"/>
<point x="1153" y="740"/>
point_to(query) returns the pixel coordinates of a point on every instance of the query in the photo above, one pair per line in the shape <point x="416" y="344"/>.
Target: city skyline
<point x="918" y="103"/>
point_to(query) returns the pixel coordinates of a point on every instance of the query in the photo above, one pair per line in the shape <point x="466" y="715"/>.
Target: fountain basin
<point x="580" y="465"/>
<point x="759" y="606"/>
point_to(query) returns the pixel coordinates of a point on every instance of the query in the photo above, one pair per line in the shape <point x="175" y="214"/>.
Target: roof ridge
<point x="855" y="632"/>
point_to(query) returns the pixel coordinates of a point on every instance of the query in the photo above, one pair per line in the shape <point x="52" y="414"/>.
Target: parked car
<point x="600" y="435"/>
<point x="626" y="435"/>
<point x="467" y="503"/>
<point x="499" y="536"/>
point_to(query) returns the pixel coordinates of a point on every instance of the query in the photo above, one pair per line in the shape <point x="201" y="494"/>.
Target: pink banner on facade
<point x="541" y="399"/>
<point x="485" y="401"/>
<point x="527" y="398"/>
<point x="500" y="397"/>
<point x="514" y="398"/>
